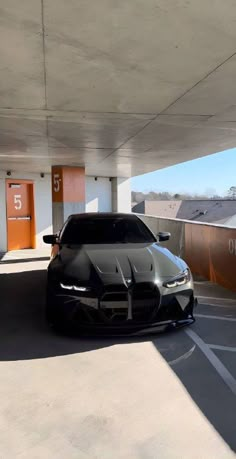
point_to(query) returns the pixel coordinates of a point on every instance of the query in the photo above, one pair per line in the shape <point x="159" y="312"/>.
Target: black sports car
<point x="109" y="274"/>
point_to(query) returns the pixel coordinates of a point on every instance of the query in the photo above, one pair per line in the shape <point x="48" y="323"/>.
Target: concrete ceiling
<point x="123" y="87"/>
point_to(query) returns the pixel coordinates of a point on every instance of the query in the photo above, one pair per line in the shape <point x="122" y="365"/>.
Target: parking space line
<point x="215" y="305"/>
<point x="222" y="348"/>
<point x="211" y="298"/>
<point x="183" y="357"/>
<point x="213" y="359"/>
<point x="206" y="316"/>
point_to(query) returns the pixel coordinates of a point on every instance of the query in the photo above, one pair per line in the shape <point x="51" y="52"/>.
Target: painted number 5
<point x="56" y="183"/>
<point x="17" y="201"/>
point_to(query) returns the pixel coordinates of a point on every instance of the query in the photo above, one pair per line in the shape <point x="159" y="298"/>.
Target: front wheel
<point x="54" y="316"/>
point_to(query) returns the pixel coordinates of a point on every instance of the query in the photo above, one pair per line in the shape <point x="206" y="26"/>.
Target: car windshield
<point x="105" y="231"/>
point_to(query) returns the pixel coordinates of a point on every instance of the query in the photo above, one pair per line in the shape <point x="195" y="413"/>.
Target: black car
<point x="110" y="274"/>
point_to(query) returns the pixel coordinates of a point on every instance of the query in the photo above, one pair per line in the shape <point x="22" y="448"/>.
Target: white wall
<point x="98" y="194"/>
<point x="43" y="209"/>
<point x="42" y="203"/>
<point x="121" y="195"/>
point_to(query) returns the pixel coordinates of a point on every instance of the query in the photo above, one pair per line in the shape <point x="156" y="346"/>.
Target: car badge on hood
<point x="128" y="281"/>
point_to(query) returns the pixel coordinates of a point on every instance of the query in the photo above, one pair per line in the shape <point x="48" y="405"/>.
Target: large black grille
<point x="114" y="303"/>
<point x="145" y="301"/>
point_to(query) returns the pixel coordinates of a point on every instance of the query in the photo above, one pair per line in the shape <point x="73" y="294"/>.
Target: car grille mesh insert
<point x="145" y="301"/>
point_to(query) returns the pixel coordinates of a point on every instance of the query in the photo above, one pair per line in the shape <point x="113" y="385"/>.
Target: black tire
<point x="57" y="324"/>
<point x="54" y="319"/>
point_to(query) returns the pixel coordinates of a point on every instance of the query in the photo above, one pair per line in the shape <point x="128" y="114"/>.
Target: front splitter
<point x="132" y="330"/>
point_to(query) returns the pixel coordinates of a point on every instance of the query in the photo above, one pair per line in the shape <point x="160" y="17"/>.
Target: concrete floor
<point x="170" y="396"/>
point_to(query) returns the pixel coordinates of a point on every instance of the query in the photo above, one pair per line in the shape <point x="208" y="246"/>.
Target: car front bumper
<point x="172" y="311"/>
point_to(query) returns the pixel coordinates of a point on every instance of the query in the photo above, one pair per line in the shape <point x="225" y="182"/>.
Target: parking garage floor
<point x="170" y="396"/>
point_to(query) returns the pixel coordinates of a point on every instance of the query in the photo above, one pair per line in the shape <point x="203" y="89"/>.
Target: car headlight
<point x="74" y="287"/>
<point x="179" y="280"/>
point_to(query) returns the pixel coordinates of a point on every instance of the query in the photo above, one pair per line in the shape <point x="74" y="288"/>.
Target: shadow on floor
<point x="24" y="334"/>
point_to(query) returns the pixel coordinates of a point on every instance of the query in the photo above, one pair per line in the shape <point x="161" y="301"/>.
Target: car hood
<point x="118" y="263"/>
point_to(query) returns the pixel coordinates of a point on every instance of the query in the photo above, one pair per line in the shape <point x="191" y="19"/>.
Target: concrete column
<point x="121" y="195"/>
<point x="68" y="193"/>
<point x="98" y="194"/>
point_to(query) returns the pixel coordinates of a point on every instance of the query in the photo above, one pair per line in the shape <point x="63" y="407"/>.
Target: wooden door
<point x="19" y="215"/>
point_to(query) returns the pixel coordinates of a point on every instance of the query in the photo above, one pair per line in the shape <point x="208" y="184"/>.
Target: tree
<point x="232" y="192"/>
<point x="138" y="196"/>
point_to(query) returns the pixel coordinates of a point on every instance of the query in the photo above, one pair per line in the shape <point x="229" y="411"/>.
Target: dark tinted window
<point x="105" y="231"/>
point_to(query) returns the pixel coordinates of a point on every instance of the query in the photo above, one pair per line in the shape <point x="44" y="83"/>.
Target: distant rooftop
<point x="221" y="211"/>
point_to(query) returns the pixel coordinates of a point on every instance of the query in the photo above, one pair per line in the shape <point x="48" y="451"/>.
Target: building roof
<point x="168" y="209"/>
<point x="222" y="211"/>
<point x="231" y="221"/>
<point x="210" y="211"/>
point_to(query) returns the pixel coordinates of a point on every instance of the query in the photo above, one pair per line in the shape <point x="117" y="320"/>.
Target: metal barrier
<point x="209" y="250"/>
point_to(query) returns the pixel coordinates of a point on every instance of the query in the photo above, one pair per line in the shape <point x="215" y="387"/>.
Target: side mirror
<point x="50" y="239"/>
<point x="163" y="236"/>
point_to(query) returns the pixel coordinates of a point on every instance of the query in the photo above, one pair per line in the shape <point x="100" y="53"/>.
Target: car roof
<point x="98" y="215"/>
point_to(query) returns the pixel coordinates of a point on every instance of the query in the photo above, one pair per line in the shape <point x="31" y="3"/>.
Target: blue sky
<point x="213" y="174"/>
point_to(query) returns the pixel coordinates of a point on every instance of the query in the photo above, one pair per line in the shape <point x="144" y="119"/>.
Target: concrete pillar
<point x="98" y="194"/>
<point x="68" y="193"/>
<point x="121" y="195"/>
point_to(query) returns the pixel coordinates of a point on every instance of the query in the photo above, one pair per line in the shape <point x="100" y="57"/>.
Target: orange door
<point x="19" y="215"/>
